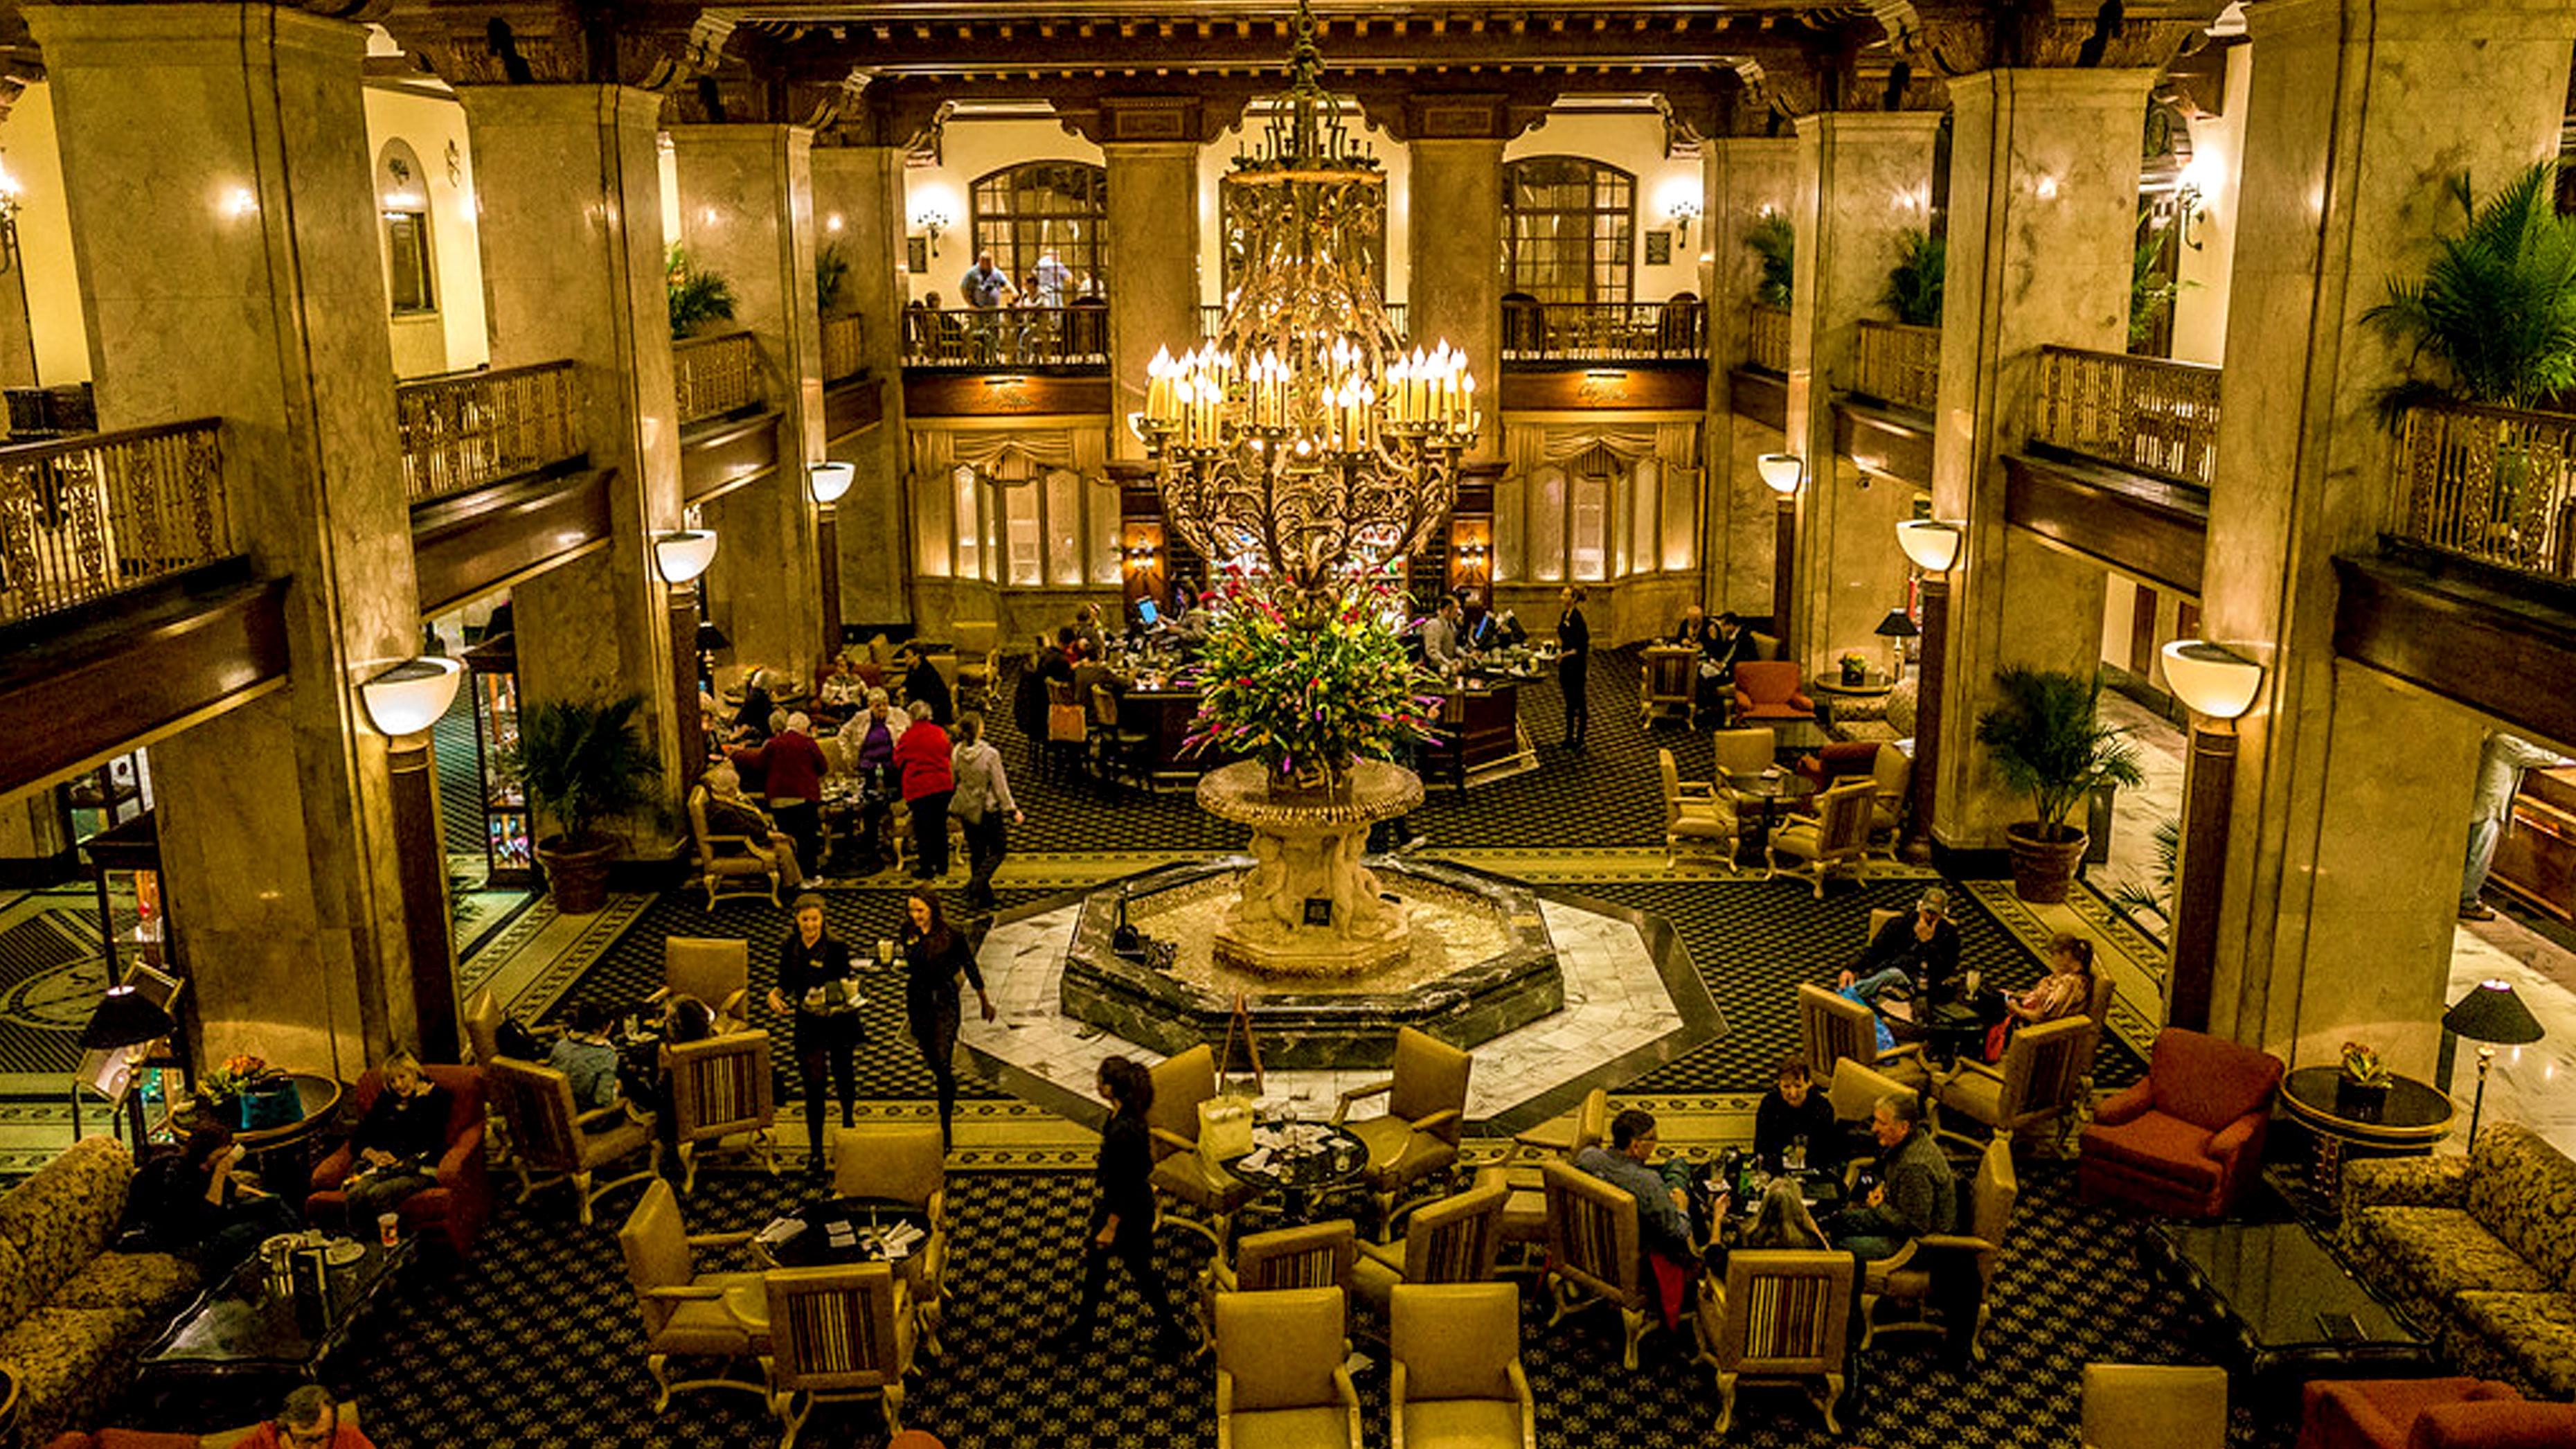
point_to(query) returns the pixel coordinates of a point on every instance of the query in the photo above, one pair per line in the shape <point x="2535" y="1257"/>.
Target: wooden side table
<point x="2414" y="1118"/>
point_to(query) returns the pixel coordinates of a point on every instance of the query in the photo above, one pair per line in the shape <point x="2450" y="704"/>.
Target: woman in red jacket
<point x="922" y="757"/>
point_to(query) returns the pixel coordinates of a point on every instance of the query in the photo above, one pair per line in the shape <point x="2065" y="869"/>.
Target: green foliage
<point x="697" y="297"/>
<point x="831" y="278"/>
<point x="2495" y="310"/>
<point x="2150" y="296"/>
<point x="2047" y="740"/>
<point x="2155" y="895"/>
<point x="583" y="762"/>
<point x="1914" y="284"/>
<point x="1777" y="245"/>
<point x="1302" y="688"/>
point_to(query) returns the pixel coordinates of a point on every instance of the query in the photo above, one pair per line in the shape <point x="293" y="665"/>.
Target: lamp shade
<point x="1931" y="543"/>
<point x="1781" y="472"/>
<point x="410" y="697"/>
<point x="830" y="480"/>
<point x="1897" y="625"/>
<point x="683" y="554"/>
<point x="711" y="638"/>
<point x="2212" y="680"/>
<point x="2492" y="1013"/>
<point x="125" y="1017"/>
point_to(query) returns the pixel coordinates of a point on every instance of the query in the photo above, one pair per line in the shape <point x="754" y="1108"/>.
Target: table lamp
<point x="1896" y="628"/>
<point x="2492" y="1016"/>
<point x="126" y="1018"/>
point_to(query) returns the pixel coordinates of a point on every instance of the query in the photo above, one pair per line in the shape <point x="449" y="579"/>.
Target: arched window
<point x="1569" y="229"/>
<point x="1024" y="213"/>
<point x="402" y="196"/>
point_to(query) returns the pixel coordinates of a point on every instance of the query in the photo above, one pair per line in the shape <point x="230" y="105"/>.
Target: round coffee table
<point x="1770" y="787"/>
<point x="1306" y="1178"/>
<point x="2413" y="1118"/>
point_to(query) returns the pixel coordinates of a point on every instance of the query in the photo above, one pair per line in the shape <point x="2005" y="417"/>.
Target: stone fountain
<point x="1308" y="906"/>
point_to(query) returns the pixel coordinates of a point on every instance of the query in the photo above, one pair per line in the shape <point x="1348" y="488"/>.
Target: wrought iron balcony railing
<point x="2493" y="483"/>
<point x="715" y="375"/>
<point x="2141" y="413"/>
<point x="1540" y="334"/>
<point x="968" y="339"/>
<point x="85" y="517"/>
<point x="467" y="430"/>
<point x="1898" y="366"/>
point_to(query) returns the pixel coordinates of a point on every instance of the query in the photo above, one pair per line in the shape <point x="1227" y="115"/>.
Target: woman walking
<point x="1573" y="666"/>
<point x="815" y="973"/>
<point x="983" y="801"/>
<point x="922" y="756"/>
<point x="1122" y="1215"/>
<point x="934" y="955"/>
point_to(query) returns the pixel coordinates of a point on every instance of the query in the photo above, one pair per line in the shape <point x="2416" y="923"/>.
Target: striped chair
<point x="720" y="1088"/>
<point x="553" y="1138"/>
<point x="1595" y="1253"/>
<point x="1778" y="1316"/>
<point x="836" y="1333"/>
<point x="1450" y="1241"/>
<point x="1318" y="1255"/>
<point x="1525" y="1211"/>
<point x="906" y="1163"/>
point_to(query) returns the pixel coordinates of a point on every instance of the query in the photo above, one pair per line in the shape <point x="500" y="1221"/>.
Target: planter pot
<point x="1855" y="678"/>
<point x="577" y="878"/>
<point x="2360" y="1103"/>
<point x="2042" y="869"/>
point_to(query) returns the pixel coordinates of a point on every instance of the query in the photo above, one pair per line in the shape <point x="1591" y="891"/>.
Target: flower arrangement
<point x="2362" y="1066"/>
<point x="236" y="1075"/>
<point x="1306" y="688"/>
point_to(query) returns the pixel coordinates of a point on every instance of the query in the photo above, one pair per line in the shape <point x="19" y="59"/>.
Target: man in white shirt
<point x="1440" y="647"/>
<point x="2500" y="765"/>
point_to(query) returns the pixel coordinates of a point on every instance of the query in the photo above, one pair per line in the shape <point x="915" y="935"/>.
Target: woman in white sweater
<point x="983" y="804"/>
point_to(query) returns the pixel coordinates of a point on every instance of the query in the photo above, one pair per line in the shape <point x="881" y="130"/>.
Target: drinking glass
<point x="885" y="950"/>
<point x="1797" y="1154"/>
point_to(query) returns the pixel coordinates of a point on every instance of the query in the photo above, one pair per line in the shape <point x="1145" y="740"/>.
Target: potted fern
<point x="582" y="763"/>
<point x="1914" y="283"/>
<point x="697" y="297"/>
<point x="1775" y="243"/>
<point x="2046" y="738"/>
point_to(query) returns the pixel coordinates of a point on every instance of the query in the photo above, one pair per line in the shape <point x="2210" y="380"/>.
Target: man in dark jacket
<point x="1915" y="1193"/>
<point x="1921" y="949"/>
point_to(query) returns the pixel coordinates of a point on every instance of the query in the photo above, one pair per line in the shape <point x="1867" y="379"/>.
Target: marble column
<point x="2344" y="853"/>
<point x="1745" y="179"/>
<point x="2043" y="201"/>
<point x="862" y="188"/>
<point x="747" y="214"/>
<point x="1862" y="179"/>
<point x="253" y="290"/>
<point x="568" y="192"/>
<point x="1457" y="281"/>
<point x="1153" y="269"/>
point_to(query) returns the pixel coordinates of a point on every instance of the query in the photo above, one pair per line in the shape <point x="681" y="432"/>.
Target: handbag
<point x="1225" y="1128"/>
<point x="272" y="1103"/>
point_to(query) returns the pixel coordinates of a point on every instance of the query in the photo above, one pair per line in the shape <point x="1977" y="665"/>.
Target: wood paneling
<point x="2149" y="529"/>
<point x="2500" y="642"/>
<point x="1009" y="395"/>
<point x="464" y="545"/>
<point x="853" y="406"/>
<point x="719" y="457"/>
<point x="1886" y="442"/>
<point x="1669" y="387"/>
<point x="1759" y="397"/>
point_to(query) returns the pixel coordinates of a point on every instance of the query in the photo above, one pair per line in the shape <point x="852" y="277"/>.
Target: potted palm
<point x="582" y="763"/>
<point x="2046" y="738"/>
<point x="1913" y="290"/>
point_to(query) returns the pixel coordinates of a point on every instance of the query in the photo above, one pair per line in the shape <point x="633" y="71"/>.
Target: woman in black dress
<point x="1122" y="1215"/>
<point x="815" y="973"/>
<point x="1573" y="666"/>
<point x="934" y="953"/>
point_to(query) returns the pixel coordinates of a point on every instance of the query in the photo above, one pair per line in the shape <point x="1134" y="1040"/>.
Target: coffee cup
<point x="389" y="1228"/>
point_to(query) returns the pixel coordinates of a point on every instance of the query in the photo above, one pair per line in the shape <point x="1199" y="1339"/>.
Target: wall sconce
<point x="932" y="221"/>
<point x="411" y="696"/>
<point x="830" y="480"/>
<point x="1683" y="210"/>
<point x="1781" y="472"/>
<point x="9" y="201"/>
<point x="2211" y="679"/>
<point x="680" y="555"/>
<point x="2190" y="204"/>
<point x="1932" y="544"/>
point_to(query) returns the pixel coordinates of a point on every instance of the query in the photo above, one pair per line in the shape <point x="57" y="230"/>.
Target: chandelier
<point x="1303" y="443"/>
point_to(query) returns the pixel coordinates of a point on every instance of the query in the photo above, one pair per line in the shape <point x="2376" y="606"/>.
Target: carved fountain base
<point x="1308" y="907"/>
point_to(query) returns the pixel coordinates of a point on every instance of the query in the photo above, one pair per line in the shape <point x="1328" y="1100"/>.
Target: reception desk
<point x="1487" y="717"/>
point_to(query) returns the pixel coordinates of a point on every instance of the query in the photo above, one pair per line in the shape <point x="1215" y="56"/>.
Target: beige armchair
<point x="837" y="1333"/>
<point x="1280" y="1379"/>
<point x="1457" y="1381"/>
<point x="1316" y="1255"/>
<point x="1450" y="1241"/>
<point x="730" y="865"/>
<point x="720" y="1089"/>
<point x="1696" y="811"/>
<point x="1181" y="1172"/>
<point x="714" y="969"/>
<point x="2039" y="1079"/>
<point x="1668" y="683"/>
<point x="1426" y="1109"/>
<point x="906" y="1163"/>
<point x="1524" y="1220"/>
<point x="684" y="1310"/>
<point x="1777" y="1316"/>
<point x="1856" y="1089"/>
<point x="1836" y="839"/>
<point x="979" y="644"/>
<point x="553" y="1139"/>
<point x="1891" y="774"/>
<point x="1595" y="1254"/>
<point x="2154" y="1406"/>
<point x="1906" y="1280"/>
<point x="1748" y="750"/>
<point x="1834" y="1030"/>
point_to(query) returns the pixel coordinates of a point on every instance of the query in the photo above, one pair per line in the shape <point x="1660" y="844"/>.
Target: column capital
<point x="2119" y="91"/>
<point x="1907" y="127"/>
<point x="742" y="135"/>
<point x="1187" y="119"/>
<point x="1957" y="40"/>
<point x="1411" y="116"/>
<point x="147" y="36"/>
<point x="556" y="42"/>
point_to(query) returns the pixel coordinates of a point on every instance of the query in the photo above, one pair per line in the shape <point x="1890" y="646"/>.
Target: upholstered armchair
<point x="1769" y="689"/>
<point x="1668" y="683"/>
<point x="1777" y="1316"/>
<point x="1449" y="1241"/>
<point x="721" y="1089"/>
<point x="2154" y="1406"/>
<point x="978" y="653"/>
<point x="684" y="1311"/>
<point x="1524" y="1220"/>
<point x="730" y="865"/>
<point x="1913" y="1277"/>
<point x="715" y="970"/>
<point x="1834" y="1030"/>
<point x="1745" y="750"/>
<point x="1426" y="1109"/>
<point x="2187" y="1140"/>
<point x="1314" y="1255"/>
<point x="1596" y="1254"/>
<point x="1457" y="1381"/>
<point x="1280" y="1379"/>
<point x="1182" y="1173"/>
<point x="2453" y="1413"/>
<point x="1694" y="810"/>
<point x="482" y="1021"/>
<point x="2037" y="1082"/>
<point x="906" y="1163"/>
<point x="454" y="1211"/>
<point x="837" y="1333"/>
<point x="1855" y="1092"/>
<point x="558" y="1141"/>
<point x="1837" y="838"/>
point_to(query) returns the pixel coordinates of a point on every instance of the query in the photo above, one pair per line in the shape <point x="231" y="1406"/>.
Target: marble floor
<point x="2135" y="814"/>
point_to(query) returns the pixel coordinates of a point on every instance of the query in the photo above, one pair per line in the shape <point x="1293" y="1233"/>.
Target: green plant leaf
<point x="1914" y="284"/>
<point x="697" y="297"/>
<point x="582" y="762"/>
<point x="2045" y="737"/>
<point x="1776" y="243"/>
<point x="2492" y="319"/>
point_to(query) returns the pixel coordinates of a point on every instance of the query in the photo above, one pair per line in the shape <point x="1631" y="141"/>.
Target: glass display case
<point x="508" y="848"/>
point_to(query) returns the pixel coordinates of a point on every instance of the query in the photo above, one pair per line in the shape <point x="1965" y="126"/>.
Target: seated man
<point x="1914" y="1192"/>
<point x="1663" y="1208"/>
<point x="310" y="1419"/>
<point x="1794" y="1114"/>
<point x="730" y="813"/>
<point x="1922" y="950"/>
<point x="584" y="1054"/>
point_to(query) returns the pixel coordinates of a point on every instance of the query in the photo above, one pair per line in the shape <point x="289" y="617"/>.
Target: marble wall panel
<point x="1458" y="284"/>
<point x="861" y="188"/>
<point x="1153" y="257"/>
<point x="1746" y="178"/>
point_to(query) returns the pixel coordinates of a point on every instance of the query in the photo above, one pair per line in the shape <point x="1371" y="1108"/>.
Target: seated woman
<point x="1780" y="1220"/>
<point x="2067" y="990"/>
<point x="586" y="1056"/>
<point x="195" y="1203"/>
<point x="730" y="812"/>
<point x="1794" y="1114"/>
<point x="684" y="1019"/>
<point x="399" y="1141"/>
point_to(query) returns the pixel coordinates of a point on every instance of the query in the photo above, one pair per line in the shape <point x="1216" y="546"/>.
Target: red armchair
<point x="2186" y="1140"/>
<point x="454" y="1211"/>
<point x="1768" y="689"/>
<point x="2429" y="1414"/>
